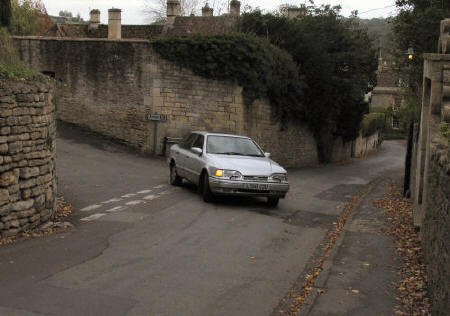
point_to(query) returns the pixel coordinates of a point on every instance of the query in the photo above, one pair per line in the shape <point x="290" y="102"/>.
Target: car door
<point x="182" y="154"/>
<point x="194" y="161"/>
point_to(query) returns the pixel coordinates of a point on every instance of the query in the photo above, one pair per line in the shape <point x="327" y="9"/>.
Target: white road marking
<point x="116" y="209"/>
<point x="144" y="192"/>
<point x="112" y="201"/>
<point x="164" y="192"/>
<point x="128" y="195"/>
<point x="90" y="208"/>
<point x="92" y="217"/>
<point x="134" y="202"/>
<point x="150" y="197"/>
<point x="160" y="186"/>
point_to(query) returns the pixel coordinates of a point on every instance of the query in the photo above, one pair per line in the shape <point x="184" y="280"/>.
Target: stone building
<point x="430" y="172"/>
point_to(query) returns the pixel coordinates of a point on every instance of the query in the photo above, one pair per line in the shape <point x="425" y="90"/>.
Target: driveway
<point x="142" y="247"/>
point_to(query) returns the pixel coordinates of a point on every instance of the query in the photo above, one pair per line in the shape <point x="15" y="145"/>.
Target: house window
<point x="395" y="122"/>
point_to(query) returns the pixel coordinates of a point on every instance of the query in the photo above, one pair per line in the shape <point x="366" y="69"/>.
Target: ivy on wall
<point x="262" y="69"/>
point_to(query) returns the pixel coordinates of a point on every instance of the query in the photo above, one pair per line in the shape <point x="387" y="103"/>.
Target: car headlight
<point x="278" y="177"/>
<point x="229" y="174"/>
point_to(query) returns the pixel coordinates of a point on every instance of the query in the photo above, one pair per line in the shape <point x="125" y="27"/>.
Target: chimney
<point x="295" y="12"/>
<point x="235" y="8"/>
<point x="207" y="11"/>
<point x="115" y="24"/>
<point x="444" y="39"/>
<point x="94" y="22"/>
<point x="173" y="10"/>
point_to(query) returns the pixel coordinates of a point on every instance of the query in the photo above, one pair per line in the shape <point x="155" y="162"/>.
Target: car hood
<point x="249" y="166"/>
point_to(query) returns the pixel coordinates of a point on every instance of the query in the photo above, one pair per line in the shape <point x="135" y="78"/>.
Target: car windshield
<point x="227" y="145"/>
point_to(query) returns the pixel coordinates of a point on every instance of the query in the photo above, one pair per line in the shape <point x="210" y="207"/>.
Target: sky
<point x="133" y="10"/>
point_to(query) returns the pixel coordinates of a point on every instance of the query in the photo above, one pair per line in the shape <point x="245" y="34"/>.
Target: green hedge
<point x="262" y="69"/>
<point x="373" y="122"/>
<point x="378" y="109"/>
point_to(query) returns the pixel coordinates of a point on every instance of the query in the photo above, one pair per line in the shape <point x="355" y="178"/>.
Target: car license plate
<point x="256" y="186"/>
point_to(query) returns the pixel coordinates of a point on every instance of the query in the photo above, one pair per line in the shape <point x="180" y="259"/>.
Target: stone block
<point x="26" y="173"/>
<point x="5" y="210"/>
<point x="34" y="218"/>
<point x="4" y="148"/>
<point x="10" y="217"/>
<point x="15" y="147"/>
<point x="7" y="178"/>
<point x="27" y="183"/>
<point x="26" y="213"/>
<point x="10" y="233"/>
<point x="39" y="202"/>
<point x="22" y="205"/>
<point x="13" y="189"/>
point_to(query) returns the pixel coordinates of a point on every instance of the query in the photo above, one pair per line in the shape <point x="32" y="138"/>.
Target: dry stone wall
<point x="27" y="156"/>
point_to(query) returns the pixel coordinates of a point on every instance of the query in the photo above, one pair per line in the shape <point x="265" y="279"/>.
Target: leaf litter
<point x="412" y="293"/>
<point x="57" y="225"/>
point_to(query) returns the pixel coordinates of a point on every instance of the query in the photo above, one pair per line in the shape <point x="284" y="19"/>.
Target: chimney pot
<point x="115" y="24"/>
<point x="235" y="8"/>
<point x="94" y="21"/>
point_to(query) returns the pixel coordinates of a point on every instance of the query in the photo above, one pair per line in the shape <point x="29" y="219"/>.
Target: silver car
<point x="223" y="164"/>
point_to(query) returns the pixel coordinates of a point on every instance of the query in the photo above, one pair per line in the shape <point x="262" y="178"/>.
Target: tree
<point x="417" y="26"/>
<point x="338" y="61"/>
<point x="29" y="17"/>
<point x="5" y="13"/>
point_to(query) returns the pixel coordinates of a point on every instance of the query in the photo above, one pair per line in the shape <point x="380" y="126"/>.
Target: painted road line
<point x="144" y="192"/>
<point x="134" y="202"/>
<point x="92" y="217"/>
<point x="112" y="201"/>
<point x="116" y="209"/>
<point x="150" y="197"/>
<point x="90" y="208"/>
<point x="164" y="192"/>
<point x="126" y="196"/>
<point x="160" y="186"/>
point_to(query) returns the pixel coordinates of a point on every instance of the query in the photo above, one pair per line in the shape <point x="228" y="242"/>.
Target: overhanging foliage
<point x="263" y="70"/>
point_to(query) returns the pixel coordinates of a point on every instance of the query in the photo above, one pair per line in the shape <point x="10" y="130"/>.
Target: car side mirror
<point x="197" y="150"/>
<point x="267" y="155"/>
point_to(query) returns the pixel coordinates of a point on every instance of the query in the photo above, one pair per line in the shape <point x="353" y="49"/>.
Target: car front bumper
<point x="229" y="187"/>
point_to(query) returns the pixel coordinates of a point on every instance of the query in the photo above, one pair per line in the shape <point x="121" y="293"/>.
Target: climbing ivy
<point x="262" y="69"/>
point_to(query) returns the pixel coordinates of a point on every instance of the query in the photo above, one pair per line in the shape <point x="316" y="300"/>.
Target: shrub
<point x="378" y="109"/>
<point x="373" y="122"/>
<point x="11" y="67"/>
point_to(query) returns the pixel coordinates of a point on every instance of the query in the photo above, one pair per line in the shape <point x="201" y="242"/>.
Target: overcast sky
<point x="133" y="10"/>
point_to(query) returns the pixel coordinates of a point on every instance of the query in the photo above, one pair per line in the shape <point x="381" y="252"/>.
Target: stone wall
<point x="436" y="229"/>
<point x="365" y="145"/>
<point x="111" y="87"/>
<point x="27" y="156"/>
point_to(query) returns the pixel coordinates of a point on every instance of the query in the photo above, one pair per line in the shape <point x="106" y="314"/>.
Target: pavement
<point x="358" y="276"/>
<point x="142" y="247"/>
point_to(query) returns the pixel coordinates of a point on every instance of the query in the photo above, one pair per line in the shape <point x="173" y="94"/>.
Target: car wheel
<point x="175" y="179"/>
<point x="273" y="202"/>
<point x="206" y="191"/>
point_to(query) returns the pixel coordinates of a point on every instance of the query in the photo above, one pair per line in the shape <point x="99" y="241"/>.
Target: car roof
<point x="205" y="133"/>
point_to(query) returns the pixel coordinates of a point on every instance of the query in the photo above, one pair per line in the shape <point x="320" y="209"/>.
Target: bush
<point x="263" y="70"/>
<point x="445" y="130"/>
<point x="378" y="109"/>
<point x="373" y="122"/>
<point x="11" y="67"/>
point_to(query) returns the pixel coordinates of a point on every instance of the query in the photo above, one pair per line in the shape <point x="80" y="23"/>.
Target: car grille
<point x="255" y="178"/>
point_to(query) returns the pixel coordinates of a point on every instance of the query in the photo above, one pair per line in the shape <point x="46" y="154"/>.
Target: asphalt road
<point x="142" y="247"/>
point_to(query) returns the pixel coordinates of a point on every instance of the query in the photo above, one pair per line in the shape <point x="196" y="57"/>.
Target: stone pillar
<point x="444" y="40"/>
<point x="173" y="10"/>
<point x="94" y="22"/>
<point x="115" y="24"/>
<point x="295" y="12"/>
<point x="207" y="11"/>
<point x="235" y="8"/>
